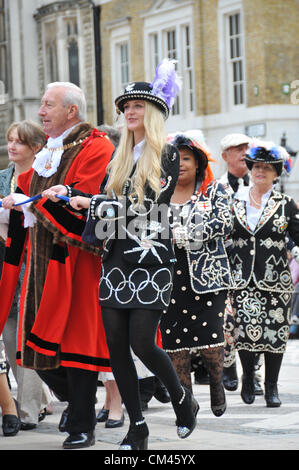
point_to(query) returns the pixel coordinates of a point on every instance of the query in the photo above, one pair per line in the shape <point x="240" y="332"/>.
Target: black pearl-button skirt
<point x="262" y="319"/>
<point x="192" y="321"/>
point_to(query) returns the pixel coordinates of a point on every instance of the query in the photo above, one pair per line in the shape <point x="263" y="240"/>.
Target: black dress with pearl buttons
<point x="195" y="316"/>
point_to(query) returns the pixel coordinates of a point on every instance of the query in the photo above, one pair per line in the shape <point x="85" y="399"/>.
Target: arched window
<point x="73" y="55"/>
<point x="52" y="62"/>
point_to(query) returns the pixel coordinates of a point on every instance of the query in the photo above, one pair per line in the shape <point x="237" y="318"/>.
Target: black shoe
<point x="102" y="415"/>
<point x="63" y="420"/>
<point x="28" y="426"/>
<point x="42" y="414"/>
<point x="137" y="437"/>
<point x="11" y="424"/>
<point x="247" y="392"/>
<point x="186" y="411"/>
<point x="218" y="401"/>
<point x="79" y="440"/>
<point x="161" y="394"/>
<point x="230" y="378"/>
<point x="271" y="395"/>
<point x="115" y="423"/>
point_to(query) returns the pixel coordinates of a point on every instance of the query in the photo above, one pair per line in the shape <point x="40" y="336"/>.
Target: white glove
<point x="29" y="218"/>
<point x="4" y="220"/>
<point x="295" y="253"/>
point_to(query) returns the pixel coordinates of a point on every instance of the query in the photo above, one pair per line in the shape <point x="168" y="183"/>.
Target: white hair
<point x="73" y="95"/>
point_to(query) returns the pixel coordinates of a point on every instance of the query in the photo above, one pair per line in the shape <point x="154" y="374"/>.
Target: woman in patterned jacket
<point x="260" y="268"/>
<point x="195" y="317"/>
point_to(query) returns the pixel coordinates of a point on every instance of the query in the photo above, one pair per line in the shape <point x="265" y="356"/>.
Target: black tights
<point x="272" y="364"/>
<point x="137" y="328"/>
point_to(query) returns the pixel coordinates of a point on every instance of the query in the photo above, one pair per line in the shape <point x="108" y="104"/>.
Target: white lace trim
<point x="40" y="165"/>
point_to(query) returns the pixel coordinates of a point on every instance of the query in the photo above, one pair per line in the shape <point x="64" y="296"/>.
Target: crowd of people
<point x="125" y="260"/>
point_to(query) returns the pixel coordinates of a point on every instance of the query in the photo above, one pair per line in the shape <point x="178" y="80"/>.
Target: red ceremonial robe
<point x="60" y="319"/>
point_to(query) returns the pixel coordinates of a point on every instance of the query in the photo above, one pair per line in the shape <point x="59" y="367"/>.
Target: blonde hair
<point x="29" y="133"/>
<point x="148" y="168"/>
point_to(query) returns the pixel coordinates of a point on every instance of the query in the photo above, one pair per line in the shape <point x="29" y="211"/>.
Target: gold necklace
<point x="256" y="203"/>
<point x="48" y="164"/>
<point x="66" y="146"/>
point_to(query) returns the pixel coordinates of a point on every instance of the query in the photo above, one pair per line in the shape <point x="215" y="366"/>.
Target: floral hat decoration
<point x="162" y="92"/>
<point x="193" y="139"/>
<point x="268" y="152"/>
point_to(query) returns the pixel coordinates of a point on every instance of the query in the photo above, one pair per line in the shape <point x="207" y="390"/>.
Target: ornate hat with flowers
<point x="193" y="140"/>
<point x="268" y="152"/>
<point x="162" y="92"/>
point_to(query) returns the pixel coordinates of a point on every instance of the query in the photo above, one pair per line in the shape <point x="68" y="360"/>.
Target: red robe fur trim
<point x="66" y="329"/>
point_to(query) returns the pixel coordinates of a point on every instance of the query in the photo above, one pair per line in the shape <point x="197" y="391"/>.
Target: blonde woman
<point x="138" y="256"/>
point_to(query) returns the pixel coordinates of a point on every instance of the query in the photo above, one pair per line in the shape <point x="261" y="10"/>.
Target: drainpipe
<point x="98" y="61"/>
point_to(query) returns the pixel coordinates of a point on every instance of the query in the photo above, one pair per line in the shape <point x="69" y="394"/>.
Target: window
<point x="52" y="62"/>
<point x="154" y="49"/>
<point x="73" y="51"/>
<point x="236" y="58"/>
<point x="122" y="67"/>
<point x="168" y="32"/>
<point x="120" y="56"/>
<point x="188" y="71"/>
<point x="124" y="64"/>
<point x="172" y="53"/>
<point x="73" y="57"/>
<point x="176" y="44"/>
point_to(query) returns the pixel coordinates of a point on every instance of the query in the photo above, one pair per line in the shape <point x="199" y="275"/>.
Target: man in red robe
<point x="61" y="334"/>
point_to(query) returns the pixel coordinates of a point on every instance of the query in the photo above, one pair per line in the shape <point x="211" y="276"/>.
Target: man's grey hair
<point x="73" y="95"/>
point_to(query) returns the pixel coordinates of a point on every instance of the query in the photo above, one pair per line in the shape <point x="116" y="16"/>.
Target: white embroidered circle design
<point x="124" y="290"/>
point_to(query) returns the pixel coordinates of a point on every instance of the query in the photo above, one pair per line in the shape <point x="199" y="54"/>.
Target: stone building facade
<point x="238" y="60"/>
<point x="45" y="41"/>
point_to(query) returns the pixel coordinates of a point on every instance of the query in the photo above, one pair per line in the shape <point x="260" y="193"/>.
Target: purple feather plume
<point x="166" y="83"/>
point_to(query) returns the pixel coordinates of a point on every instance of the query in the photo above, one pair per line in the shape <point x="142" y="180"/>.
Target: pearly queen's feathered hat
<point x="194" y="141"/>
<point x="162" y="92"/>
<point x="268" y="152"/>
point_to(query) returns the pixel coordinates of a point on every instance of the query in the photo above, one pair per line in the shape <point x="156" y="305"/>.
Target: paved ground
<point x="242" y="427"/>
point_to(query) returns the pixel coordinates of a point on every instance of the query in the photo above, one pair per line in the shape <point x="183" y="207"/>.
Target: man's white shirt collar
<point x="44" y="156"/>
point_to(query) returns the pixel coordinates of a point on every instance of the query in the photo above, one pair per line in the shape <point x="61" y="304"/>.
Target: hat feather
<point x="166" y="83"/>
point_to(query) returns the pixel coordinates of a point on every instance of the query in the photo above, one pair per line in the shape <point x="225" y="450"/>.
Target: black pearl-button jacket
<point x="144" y="236"/>
<point x="201" y="228"/>
<point x="261" y="255"/>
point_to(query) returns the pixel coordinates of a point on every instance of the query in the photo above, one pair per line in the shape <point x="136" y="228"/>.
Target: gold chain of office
<point x="66" y="146"/>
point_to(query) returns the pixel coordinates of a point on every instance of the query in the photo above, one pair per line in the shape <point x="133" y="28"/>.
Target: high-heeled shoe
<point x="218" y="401"/>
<point x="115" y="423"/>
<point x="79" y="440"/>
<point x="11" y="424"/>
<point x="186" y="411"/>
<point x="136" y="438"/>
<point x="102" y="415"/>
